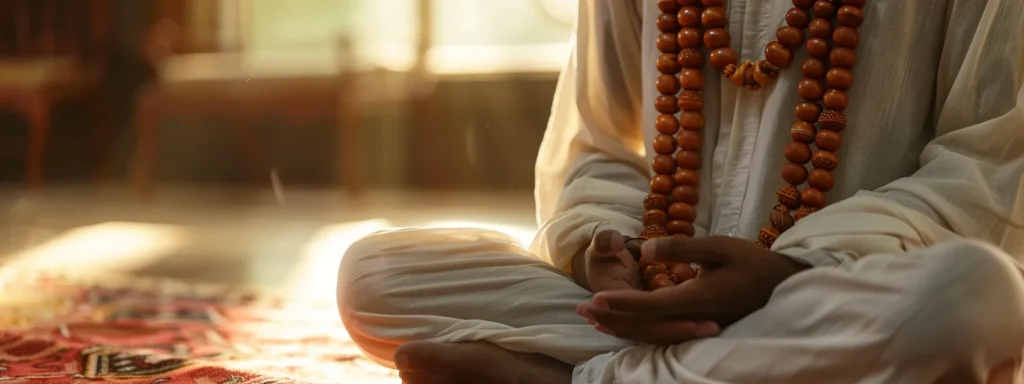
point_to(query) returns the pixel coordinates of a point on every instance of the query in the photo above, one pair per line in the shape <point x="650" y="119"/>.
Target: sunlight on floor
<point x="316" y="274"/>
<point x="110" y="246"/>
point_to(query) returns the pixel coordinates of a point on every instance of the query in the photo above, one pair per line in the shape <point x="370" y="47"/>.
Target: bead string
<point x="819" y="105"/>
<point x="670" y="206"/>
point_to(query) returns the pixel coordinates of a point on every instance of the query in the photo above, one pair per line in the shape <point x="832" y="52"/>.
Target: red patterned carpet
<point x="60" y="330"/>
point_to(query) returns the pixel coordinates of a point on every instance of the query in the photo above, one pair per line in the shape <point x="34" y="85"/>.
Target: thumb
<point x="683" y="249"/>
<point x="608" y="241"/>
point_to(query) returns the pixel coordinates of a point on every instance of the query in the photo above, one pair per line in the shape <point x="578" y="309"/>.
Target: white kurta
<point x="934" y="150"/>
<point x="933" y="156"/>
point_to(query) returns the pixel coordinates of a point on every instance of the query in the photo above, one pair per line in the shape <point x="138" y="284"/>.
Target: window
<point x="469" y="36"/>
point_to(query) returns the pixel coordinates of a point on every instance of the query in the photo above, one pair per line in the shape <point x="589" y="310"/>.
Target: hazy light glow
<point x="110" y="246"/>
<point x="316" y="275"/>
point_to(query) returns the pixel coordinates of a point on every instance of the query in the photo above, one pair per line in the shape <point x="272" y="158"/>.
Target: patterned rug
<point x="75" y="330"/>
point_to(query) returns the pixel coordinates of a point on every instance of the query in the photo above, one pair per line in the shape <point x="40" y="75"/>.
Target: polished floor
<point x="288" y="241"/>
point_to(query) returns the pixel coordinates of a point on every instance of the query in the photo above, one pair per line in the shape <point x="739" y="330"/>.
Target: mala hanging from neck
<point x="694" y="32"/>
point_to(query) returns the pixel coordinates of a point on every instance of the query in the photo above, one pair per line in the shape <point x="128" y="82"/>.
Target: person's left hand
<point x="737" y="278"/>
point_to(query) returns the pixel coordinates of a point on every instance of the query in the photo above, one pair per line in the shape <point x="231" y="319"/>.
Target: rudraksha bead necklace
<point x="693" y="31"/>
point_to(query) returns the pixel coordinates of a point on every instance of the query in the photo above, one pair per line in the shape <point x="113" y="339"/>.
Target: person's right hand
<point x="609" y="263"/>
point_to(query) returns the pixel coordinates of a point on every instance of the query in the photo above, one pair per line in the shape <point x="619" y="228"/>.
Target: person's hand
<point x="609" y="263"/>
<point x="737" y="278"/>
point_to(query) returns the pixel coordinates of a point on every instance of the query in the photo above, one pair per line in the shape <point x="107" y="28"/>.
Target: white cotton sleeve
<point x="971" y="180"/>
<point x="590" y="172"/>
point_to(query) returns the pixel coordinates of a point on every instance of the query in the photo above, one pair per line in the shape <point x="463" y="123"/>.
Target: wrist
<point x="796" y="266"/>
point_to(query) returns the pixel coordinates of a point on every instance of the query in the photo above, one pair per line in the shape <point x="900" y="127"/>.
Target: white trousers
<point x="953" y="313"/>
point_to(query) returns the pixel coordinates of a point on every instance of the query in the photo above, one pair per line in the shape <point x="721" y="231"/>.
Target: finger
<point x="682" y="249"/>
<point x="653" y="331"/>
<point x="687" y="298"/>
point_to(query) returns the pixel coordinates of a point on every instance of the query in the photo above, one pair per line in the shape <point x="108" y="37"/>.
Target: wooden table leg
<point x="144" y="158"/>
<point x="253" y="151"/>
<point x="350" y="156"/>
<point x="38" y="111"/>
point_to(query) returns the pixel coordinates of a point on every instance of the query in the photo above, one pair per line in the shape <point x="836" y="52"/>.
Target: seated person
<point x="913" y="275"/>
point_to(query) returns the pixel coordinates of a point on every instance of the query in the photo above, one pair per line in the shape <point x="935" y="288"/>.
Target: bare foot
<point x="477" y="362"/>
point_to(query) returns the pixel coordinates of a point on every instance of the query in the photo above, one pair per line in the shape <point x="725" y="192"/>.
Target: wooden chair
<point x="222" y="86"/>
<point x="51" y="53"/>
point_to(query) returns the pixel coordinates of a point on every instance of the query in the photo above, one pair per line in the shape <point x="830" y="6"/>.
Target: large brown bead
<point x="667" y="124"/>
<point x="715" y="38"/>
<point x="667" y="43"/>
<point x="820" y="28"/>
<point x="667" y="64"/>
<point x="655" y="217"/>
<point x="664" y="145"/>
<point x="667" y="84"/>
<point x="682" y="270"/>
<point x="803" y="212"/>
<point x="824" y="9"/>
<point x="842" y="58"/>
<point x="803" y="3"/>
<point x="682" y="211"/>
<point x="810" y="89"/>
<point x="691" y="100"/>
<point x="689" y="177"/>
<point x="654" y="232"/>
<point x="791" y="37"/>
<point x="689" y="140"/>
<point x="688" y="159"/>
<point x="846" y="37"/>
<point x="691" y="58"/>
<point x="666" y="104"/>
<point x="689" y="37"/>
<point x="821" y="179"/>
<point x="668" y="23"/>
<point x="692" y="78"/>
<point x="788" y="196"/>
<point x="813" y="68"/>
<point x="662" y="184"/>
<point x="690" y="3"/>
<point x="836" y="99"/>
<point x="828" y="140"/>
<point x="656" y="201"/>
<point x="798" y="152"/>
<point x="832" y="120"/>
<point x="722" y="57"/>
<point x="778" y="54"/>
<point x="849" y="16"/>
<point x="691" y="120"/>
<point x="826" y="160"/>
<point x="713" y="17"/>
<point x="855" y="3"/>
<point x="798" y="17"/>
<point x="813" y="197"/>
<point x="686" y="194"/>
<point x="767" y="236"/>
<point x="689" y="17"/>
<point x="794" y="173"/>
<point x="840" y="78"/>
<point x="668" y="6"/>
<point x="808" y="111"/>
<point x="681" y="227"/>
<point x="712" y="3"/>
<point x="818" y="47"/>
<point x="663" y="164"/>
<point x="802" y="132"/>
<point x="780" y="220"/>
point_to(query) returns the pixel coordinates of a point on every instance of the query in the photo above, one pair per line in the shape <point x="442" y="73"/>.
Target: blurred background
<point x="250" y="141"/>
